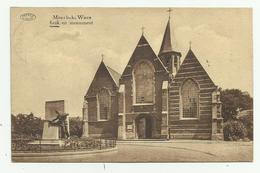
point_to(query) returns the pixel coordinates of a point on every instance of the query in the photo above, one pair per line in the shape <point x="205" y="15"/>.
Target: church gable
<point x="191" y="73"/>
<point x="105" y="77"/>
<point x="190" y="99"/>
<point x="143" y="51"/>
<point x="155" y="97"/>
<point x="191" y="68"/>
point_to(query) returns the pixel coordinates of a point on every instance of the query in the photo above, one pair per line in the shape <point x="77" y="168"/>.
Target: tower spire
<point x="169" y="57"/>
<point x="166" y="43"/>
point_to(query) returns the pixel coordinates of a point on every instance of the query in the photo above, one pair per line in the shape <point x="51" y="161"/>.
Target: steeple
<point x="169" y="57"/>
<point x="166" y="43"/>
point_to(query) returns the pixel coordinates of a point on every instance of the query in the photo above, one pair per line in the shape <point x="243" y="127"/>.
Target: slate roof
<point x="114" y="74"/>
<point x="166" y="43"/>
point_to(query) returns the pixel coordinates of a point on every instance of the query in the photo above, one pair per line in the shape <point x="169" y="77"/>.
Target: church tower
<point x="169" y="57"/>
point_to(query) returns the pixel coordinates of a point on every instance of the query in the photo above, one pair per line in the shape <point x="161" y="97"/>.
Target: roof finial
<point x="102" y="56"/>
<point x="143" y="30"/>
<point x="190" y="44"/>
<point x="169" y="11"/>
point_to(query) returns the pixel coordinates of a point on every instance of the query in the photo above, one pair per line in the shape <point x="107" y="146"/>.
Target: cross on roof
<point x="190" y="44"/>
<point x="169" y="11"/>
<point x="143" y="30"/>
<point x="102" y="55"/>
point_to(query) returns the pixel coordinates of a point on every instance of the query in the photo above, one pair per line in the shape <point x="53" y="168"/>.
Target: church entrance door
<point x="144" y="126"/>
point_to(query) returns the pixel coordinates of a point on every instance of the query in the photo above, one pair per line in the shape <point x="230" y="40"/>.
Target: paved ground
<point x="163" y="151"/>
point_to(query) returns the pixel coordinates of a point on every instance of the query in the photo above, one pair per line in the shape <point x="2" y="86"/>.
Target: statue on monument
<point x="61" y="121"/>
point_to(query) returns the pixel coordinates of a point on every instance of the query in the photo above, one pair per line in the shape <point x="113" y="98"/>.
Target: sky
<point x="59" y="63"/>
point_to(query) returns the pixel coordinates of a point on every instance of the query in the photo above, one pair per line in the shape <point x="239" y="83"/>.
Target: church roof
<point x="192" y="61"/>
<point x="166" y="43"/>
<point x="143" y="50"/>
<point x="115" y="75"/>
<point x="142" y="41"/>
<point x="110" y="75"/>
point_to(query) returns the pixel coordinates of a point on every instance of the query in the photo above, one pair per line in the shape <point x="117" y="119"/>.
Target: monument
<point x="56" y="124"/>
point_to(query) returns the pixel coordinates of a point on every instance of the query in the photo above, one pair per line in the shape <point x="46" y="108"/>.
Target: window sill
<point x="189" y="118"/>
<point x="102" y="120"/>
<point x="143" y="104"/>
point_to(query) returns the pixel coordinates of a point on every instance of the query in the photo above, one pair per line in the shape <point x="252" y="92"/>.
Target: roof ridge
<point x="113" y="70"/>
<point x="114" y="74"/>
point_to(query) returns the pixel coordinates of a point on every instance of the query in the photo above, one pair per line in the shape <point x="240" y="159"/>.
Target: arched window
<point x="190" y="99"/>
<point x="103" y="104"/>
<point x="143" y="83"/>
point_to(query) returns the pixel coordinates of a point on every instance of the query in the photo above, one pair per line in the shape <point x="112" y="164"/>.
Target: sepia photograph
<point x="131" y="85"/>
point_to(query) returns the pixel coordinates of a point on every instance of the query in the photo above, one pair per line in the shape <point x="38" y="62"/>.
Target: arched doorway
<point x="143" y="126"/>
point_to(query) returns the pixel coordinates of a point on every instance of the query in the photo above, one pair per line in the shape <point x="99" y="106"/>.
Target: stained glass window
<point x="190" y="99"/>
<point x="144" y="83"/>
<point x="103" y="104"/>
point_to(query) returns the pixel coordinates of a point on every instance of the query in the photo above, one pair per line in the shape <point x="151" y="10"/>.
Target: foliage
<point x="232" y="99"/>
<point x="76" y="127"/>
<point x="23" y="145"/>
<point x="235" y="127"/>
<point x="247" y="121"/>
<point x="234" y="130"/>
<point x="26" y="126"/>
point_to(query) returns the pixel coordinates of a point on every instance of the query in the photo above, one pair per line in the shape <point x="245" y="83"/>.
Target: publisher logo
<point x="27" y="16"/>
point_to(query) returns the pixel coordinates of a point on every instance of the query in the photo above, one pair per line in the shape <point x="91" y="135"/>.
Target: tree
<point x="246" y="117"/>
<point x="75" y="126"/>
<point x="26" y="126"/>
<point x="234" y="130"/>
<point x="232" y="99"/>
<point x="235" y="127"/>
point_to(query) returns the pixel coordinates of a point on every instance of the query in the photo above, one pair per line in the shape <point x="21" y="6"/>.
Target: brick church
<point x="156" y="97"/>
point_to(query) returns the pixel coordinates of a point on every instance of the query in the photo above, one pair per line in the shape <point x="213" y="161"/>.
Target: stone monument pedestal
<point x="50" y="132"/>
<point x="48" y="143"/>
<point x="50" y="136"/>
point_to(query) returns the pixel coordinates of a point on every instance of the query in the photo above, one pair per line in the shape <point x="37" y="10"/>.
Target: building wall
<point x="97" y="128"/>
<point x="191" y="128"/>
<point x="200" y="128"/>
<point x="143" y="52"/>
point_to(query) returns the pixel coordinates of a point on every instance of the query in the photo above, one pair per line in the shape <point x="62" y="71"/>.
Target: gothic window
<point x="103" y="104"/>
<point x="144" y="83"/>
<point x="190" y="99"/>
